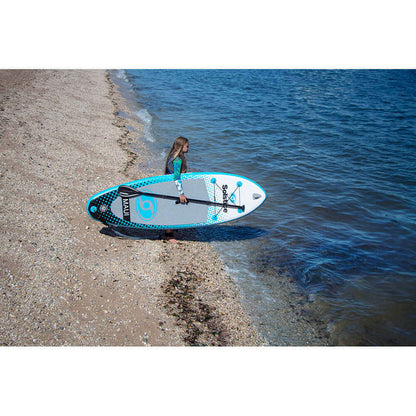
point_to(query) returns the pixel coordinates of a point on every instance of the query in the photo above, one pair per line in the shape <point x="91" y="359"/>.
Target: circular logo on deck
<point x="146" y="206"/>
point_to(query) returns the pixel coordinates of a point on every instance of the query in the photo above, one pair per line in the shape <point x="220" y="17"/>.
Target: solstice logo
<point x="146" y="206"/>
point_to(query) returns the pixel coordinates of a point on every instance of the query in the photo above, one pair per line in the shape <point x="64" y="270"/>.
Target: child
<point x="176" y="164"/>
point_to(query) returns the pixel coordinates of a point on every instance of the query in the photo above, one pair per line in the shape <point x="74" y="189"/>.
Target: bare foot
<point x="170" y="239"/>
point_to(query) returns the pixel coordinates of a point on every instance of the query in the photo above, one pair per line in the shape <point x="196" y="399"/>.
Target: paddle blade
<point x="127" y="191"/>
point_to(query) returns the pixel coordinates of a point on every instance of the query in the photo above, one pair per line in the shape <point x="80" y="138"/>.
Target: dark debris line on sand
<point x="201" y="322"/>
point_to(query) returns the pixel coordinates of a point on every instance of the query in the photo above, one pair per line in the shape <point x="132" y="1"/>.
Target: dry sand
<point x="68" y="280"/>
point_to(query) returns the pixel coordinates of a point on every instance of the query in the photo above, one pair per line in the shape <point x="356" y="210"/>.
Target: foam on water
<point x="120" y="74"/>
<point x="146" y="119"/>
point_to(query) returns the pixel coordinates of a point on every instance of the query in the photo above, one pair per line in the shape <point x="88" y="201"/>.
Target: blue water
<point x="336" y="152"/>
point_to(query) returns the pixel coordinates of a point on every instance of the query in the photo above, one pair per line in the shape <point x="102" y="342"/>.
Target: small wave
<point x="147" y="119"/>
<point x="144" y="116"/>
<point x="121" y="74"/>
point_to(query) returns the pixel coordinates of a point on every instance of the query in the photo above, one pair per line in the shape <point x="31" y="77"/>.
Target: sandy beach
<point x="68" y="280"/>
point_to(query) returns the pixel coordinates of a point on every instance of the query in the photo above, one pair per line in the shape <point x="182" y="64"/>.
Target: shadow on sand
<point x="203" y="234"/>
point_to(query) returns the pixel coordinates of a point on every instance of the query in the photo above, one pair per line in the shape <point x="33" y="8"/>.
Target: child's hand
<point x="182" y="199"/>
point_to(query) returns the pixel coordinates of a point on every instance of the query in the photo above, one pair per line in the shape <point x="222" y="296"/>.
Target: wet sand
<point x="69" y="280"/>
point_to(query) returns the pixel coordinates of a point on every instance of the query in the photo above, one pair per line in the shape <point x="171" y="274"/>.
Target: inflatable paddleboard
<point x="153" y="203"/>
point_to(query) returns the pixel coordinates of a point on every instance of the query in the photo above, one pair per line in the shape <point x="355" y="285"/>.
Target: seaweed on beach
<point x="201" y="322"/>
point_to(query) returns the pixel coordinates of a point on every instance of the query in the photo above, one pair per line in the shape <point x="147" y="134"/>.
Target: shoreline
<point x="68" y="280"/>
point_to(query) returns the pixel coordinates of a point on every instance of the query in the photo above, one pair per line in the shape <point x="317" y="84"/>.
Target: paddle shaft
<point x="128" y="192"/>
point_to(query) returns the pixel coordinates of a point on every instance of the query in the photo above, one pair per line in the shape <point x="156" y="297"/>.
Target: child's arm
<point x="177" y="165"/>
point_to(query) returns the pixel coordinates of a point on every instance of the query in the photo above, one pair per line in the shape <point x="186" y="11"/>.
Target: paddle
<point x="128" y="192"/>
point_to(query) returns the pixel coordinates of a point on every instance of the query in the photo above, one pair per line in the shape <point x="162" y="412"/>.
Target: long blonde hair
<point x="177" y="151"/>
